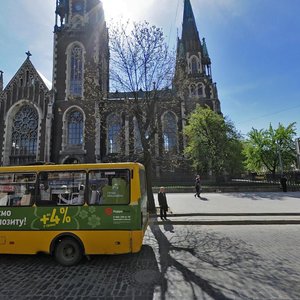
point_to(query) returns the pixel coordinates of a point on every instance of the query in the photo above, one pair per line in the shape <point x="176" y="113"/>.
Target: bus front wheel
<point x="68" y="252"/>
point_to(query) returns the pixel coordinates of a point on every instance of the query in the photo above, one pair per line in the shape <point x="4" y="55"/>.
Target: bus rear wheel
<point x="68" y="252"/>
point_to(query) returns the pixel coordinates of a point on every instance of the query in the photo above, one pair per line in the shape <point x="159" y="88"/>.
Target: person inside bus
<point x="81" y="190"/>
<point x="75" y="200"/>
<point x="67" y="198"/>
<point x="78" y="198"/>
<point x="95" y="195"/>
<point x="44" y="192"/>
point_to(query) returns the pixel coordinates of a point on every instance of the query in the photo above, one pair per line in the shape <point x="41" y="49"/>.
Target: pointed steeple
<point x="205" y="52"/>
<point x="206" y="60"/>
<point x="190" y="35"/>
<point x="193" y="80"/>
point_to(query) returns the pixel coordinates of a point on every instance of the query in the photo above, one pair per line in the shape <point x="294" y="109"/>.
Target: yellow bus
<point x="72" y="210"/>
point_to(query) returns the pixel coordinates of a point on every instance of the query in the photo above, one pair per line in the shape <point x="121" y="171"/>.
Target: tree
<point x="271" y="149"/>
<point x="213" y="144"/>
<point x="142" y="67"/>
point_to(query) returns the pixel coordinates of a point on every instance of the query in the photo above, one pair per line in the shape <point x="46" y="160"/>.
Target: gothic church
<point x="38" y="124"/>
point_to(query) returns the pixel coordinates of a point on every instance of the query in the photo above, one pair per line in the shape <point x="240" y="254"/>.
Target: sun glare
<point x="115" y="9"/>
<point x="134" y="10"/>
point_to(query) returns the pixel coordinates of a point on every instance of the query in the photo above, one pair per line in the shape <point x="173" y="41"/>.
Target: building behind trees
<point x="69" y="124"/>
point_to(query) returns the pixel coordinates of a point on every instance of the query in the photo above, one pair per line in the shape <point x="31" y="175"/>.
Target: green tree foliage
<point x="213" y="144"/>
<point x="271" y="150"/>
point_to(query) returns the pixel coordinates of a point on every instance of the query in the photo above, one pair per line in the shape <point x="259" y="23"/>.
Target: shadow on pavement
<point x="167" y="261"/>
<point x="168" y="226"/>
<point x="210" y="264"/>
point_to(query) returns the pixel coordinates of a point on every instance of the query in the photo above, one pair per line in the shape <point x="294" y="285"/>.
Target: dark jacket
<point x="162" y="200"/>
<point x="197" y="182"/>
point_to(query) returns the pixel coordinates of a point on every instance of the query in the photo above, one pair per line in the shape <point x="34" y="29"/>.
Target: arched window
<point x="137" y="137"/>
<point x="200" y="88"/>
<point x="170" y="132"/>
<point x="194" y="66"/>
<point x="193" y="90"/>
<point x="76" y="71"/>
<point x="24" y="136"/>
<point x="75" y="128"/>
<point x="113" y="133"/>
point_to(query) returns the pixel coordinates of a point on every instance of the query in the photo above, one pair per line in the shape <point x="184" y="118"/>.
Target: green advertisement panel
<point x="70" y="218"/>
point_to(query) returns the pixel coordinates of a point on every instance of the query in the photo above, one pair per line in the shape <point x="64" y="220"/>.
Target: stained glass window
<point x="113" y="133"/>
<point x="75" y="128"/>
<point x="194" y="66"/>
<point x="170" y="132"/>
<point x="24" y="136"/>
<point x="200" y="90"/>
<point x="76" y="76"/>
<point x="193" y="90"/>
<point x="137" y="137"/>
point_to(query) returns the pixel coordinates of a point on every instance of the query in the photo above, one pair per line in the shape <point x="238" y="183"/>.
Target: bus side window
<point x="43" y="197"/>
<point x="108" y="187"/>
<point x="22" y="189"/>
<point x="6" y="188"/>
<point x="19" y="198"/>
<point x="62" y="188"/>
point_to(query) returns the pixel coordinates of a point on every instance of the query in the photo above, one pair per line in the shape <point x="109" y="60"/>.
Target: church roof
<point x="165" y="94"/>
<point x="28" y="66"/>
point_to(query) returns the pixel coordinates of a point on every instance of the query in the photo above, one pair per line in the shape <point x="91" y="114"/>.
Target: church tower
<point x="193" y="79"/>
<point x="80" y="80"/>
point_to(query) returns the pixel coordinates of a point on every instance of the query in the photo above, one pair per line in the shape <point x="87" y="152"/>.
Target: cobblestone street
<point x="229" y="262"/>
<point x="176" y="262"/>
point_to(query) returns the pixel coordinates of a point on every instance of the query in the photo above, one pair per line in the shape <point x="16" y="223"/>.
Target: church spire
<point x="190" y="35"/>
<point x="193" y="79"/>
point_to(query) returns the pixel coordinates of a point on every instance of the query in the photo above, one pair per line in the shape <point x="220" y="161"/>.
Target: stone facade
<point x="68" y="124"/>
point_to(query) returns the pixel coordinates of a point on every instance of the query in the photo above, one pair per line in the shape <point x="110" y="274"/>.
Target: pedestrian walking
<point x="283" y="181"/>
<point x="162" y="200"/>
<point x="197" y="186"/>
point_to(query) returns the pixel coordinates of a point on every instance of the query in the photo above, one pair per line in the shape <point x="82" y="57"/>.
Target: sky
<point x="254" y="46"/>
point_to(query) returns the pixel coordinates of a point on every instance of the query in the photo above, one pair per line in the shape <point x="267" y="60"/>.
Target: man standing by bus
<point x="162" y="200"/>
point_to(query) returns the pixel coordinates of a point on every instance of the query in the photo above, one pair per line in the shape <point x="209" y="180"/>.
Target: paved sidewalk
<point x="234" y="208"/>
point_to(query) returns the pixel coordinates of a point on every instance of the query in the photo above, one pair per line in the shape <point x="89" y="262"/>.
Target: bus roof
<point x="69" y="167"/>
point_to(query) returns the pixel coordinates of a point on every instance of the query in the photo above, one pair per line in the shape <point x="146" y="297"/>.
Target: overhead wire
<point x="173" y="22"/>
<point x="270" y="114"/>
